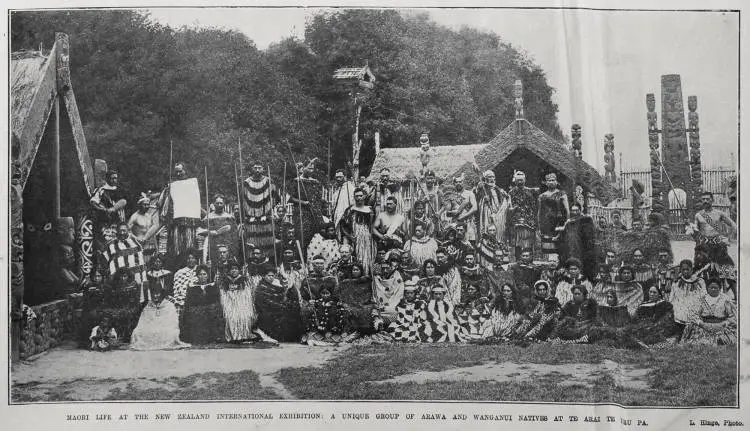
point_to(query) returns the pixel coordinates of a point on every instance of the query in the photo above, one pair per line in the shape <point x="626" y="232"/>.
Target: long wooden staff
<point x="242" y="221"/>
<point x="283" y="191"/>
<point x="242" y="180"/>
<point x="307" y="281"/>
<point x="273" y="224"/>
<point x="170" y="161"/>
<point x="207" y="245"/>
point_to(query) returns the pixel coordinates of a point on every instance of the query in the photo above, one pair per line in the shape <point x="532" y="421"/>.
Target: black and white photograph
<point x="375" y="203"/>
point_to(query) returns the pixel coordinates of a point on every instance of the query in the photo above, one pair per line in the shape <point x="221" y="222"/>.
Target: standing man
<point x="430" y="193"/>
<point x="552" y="213"/>
<point x="710" y="240"/>
<point x="124" y="253"/>
<point x="306" y="195"/>
<point x="258" y="196"/>
<point x="342" y="197"/>
<point x="578" y="240"/>
<point x="523" y="214"/>
<point x="466" y="209"/>
<point x="180" y="204"/>
<point x="222" y="229"/>
<point x="493" y="203"/>
<point x="356" y="230"/>
<point x="108" y="202"/>
<point x="144" y="225"/>
<point x="387" y="188"/>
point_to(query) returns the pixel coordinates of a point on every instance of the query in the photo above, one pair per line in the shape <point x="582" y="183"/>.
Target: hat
<point x="438" y="288"/>
<point x="144" y="198"/>
<point x="412" y="284"/>
<point x="518" y="174"/>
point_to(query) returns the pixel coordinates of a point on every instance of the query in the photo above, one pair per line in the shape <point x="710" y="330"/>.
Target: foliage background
<point x="140" y="85"/>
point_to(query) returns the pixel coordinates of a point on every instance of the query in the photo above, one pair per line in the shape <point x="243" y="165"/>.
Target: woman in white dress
<point x="158" y="327"/>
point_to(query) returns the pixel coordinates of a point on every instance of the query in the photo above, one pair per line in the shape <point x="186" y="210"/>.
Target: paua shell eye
<point x="47" y="226"/>
<point x="31" y="228"/>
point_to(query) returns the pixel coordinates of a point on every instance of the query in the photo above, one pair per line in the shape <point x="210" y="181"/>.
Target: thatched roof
<point x="443" y="161"/>
<point x="36" y="81"/>
<point x="522" y="134"/>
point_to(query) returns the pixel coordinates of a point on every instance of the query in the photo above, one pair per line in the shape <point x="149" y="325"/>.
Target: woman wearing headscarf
<point x="714" y="320"/>
<point x="576" y="317"/>
<point x="542" y="316"/>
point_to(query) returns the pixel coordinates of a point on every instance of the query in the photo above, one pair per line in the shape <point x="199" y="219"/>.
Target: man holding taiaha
<point x="180" y="204"/>
<point x="466" y="210"/>
<point x="356" y="230"/>
<point x="552" y="208"/>
<point x="710" y="240"/>
<point x="523" y="214"/>
<point x="388" y="226"/>
<point x="222" y="229"/>
<point x="306" y="195"/>
<point x="258" y="197"/>
<point x="493" y="203"/>
<point x="429" y="192"/>
<point x="108" y="202"/>
<point x="342" y="197"/>
<point x="144" y="225"/>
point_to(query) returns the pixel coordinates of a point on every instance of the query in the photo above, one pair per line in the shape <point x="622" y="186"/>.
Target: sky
<point x="600" y="63"/>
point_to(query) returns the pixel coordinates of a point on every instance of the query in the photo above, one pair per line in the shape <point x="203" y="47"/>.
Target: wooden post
<point x="56" y="156"/>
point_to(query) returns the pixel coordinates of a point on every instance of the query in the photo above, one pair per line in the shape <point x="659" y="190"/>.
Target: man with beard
<point x="144" y="225"/>
<point x="109" y="204"/>
<point x="125" y="253"/>
<point x="420" y="247"/>
<point x="552" y="213"/>
<point x="221" y="266"/>
<point x="617" y="223"/>
<point x="222" y="229"/>
<point x="258" y="198"/>
<point x="342" y="267"/>
<point x="256" y="261"/>
<point x="462" y="243"/>
<point x="523" y="214"/>
<point x="180" y="204"/>
<point x="577" y="240"/>
<point x="709" y="239"/>
<point x="288" y="239"/>
<point x="356" y="230"/>
<point x="342" y="197"/>
<point x="467" y="208"/>
<point x="493" y="203"/>
<point x="471" y="274"/>
<point x="665" y="270"/>
<point x="451" y="276"/>
<point x="325" y="243"/>
<point x="388" y="226"/>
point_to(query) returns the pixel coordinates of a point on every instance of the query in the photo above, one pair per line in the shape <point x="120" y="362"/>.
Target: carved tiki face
<point x="650" y="102"/>
<point x="692" y="103"/>
<point x="575" y="131"/>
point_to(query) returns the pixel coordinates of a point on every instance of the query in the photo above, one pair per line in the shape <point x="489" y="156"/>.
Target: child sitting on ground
<point x="103" y="336"/>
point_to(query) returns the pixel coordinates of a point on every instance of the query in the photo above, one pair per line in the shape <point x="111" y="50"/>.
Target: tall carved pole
<point x="696" y="175"/>
<point x="657" y="204"/>
<point x="575" y="133"/>
<point x="675" y="155"/>
<point x="609" y="158"/>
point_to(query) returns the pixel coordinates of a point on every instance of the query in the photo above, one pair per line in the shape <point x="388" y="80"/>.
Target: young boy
<point x="103" y="336"/>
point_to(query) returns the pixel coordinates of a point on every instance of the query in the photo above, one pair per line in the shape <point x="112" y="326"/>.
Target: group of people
<point x="359" y="263"/>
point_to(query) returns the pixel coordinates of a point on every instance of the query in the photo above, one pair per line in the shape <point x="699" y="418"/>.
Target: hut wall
<point x="48" y="324"/>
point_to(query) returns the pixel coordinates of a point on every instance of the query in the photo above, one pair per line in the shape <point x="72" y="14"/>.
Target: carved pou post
<point x="657" y="204"/>
<point x="518" y="95"/>
<point x="575" y="133"/>
<point x="696" y="176"/>
<point x="16" y="259"/>
<point x="609" y="158"/>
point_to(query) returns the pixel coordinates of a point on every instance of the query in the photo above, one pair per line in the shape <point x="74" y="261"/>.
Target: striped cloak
<point x="126" y="254"/>
<point x="257" y="205"/>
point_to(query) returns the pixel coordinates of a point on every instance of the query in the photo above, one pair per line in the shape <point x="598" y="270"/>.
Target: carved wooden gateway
<point x="675" y="168"/>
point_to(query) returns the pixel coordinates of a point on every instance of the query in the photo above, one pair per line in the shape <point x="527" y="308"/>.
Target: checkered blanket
<point x="410" y="316"/>
<point x="442" y="325"/>
<point x="126" y="254"/>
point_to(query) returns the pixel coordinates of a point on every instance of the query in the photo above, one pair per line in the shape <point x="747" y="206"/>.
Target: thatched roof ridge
<point x="443" y="161"/>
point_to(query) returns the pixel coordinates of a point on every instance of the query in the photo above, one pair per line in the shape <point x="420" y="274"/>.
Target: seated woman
<point x="686" y="292"/>
<point x="158" y="328"/>
<point x="570" y="278"/>
<point x="611" y="313"/>
<point x="654" y="319"/>
<point x="628" y="291"/>
<point x="442" y="324"/>
<point x="428" y="278"/>
<point x="507" y="313"/>
<point x="328" y="320"/>
<point x="158" y="275"/>
<point x="202" y="317"/>
<point x="411" y="315"/>
<point x="476" y="311"/>
<point x="237" y="303"/>
<point x="576" y="317"/>
<point x="714" y="321"/>
<point x="355" y="294"/>
<point x="278" y="308"/>
<point x="542" y="316"/>
<point x="612" y="323"/>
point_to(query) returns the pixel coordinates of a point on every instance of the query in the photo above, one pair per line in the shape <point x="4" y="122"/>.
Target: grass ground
<point x="679" y="376"/>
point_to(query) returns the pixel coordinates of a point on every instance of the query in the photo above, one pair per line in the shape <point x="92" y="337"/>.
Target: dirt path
<point x="96" y="374"/>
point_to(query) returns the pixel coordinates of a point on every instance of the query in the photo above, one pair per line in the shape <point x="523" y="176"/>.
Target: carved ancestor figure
<point x="575" y="132"/>
<point x="609" y="158"/>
